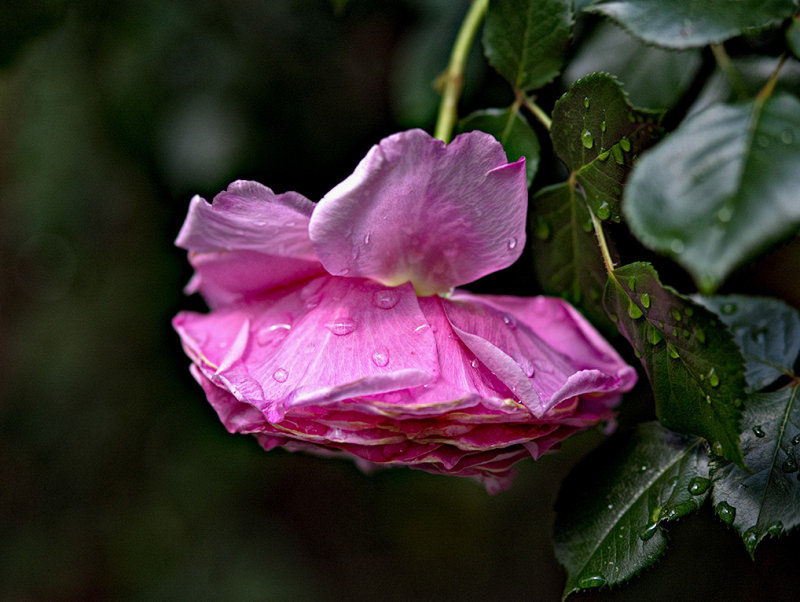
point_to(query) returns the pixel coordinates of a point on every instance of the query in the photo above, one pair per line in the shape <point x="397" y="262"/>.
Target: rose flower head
<point x="336" y="328"/>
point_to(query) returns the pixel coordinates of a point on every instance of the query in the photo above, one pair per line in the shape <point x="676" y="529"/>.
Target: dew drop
<point x="775" y="528"/>
<point x="625" y="144"/>
<point x="422" y="328"/>
<point x="604" y="211"/>
<point x="341" y="326"/>
<point x="509" y="321"/>
<point x="758" y="431"/>
<point x="280" y="375"/>
<point x="725" y="214"/>
<point x="790" y="465"/>
<point x="587" y="139"/>
<point x="645" y="297"/>
<point x="385" y="298"/>
<point x="698" y="485"/>
<point x="617" y="152"/>
<point x="591" y="581"/>
<point x="512" y="243"/>
<point x="726" y="512"/>
<point x="380" y="357"/>
<point x="648" y="531"/>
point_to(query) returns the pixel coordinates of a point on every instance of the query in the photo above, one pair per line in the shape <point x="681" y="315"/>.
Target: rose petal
<point x="333" y="339"/>
<point x="540" y="375"/>
<point x="417" y="210"/>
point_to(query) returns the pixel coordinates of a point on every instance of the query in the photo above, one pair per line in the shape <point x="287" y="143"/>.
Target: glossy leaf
<point x="512" y="130"/>
<point x="597" y="134"/>
<point x="652" y="77"/>
<point x="765" y="501"/>
<point x="766" y="330"/>
<point x="611" y="505"/>
<point x="566" y="257"/>
<point x="721" y="188"/>
<point x="694" y="367"/>
<point x="526" y="40"/>
<point x="689" y="23"/>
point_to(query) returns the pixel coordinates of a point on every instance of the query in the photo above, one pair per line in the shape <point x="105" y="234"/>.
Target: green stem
<point x="537" y="111"/>
<point x="769" y="87"/>
<point x="601" y="240"/>
<point x="731" y="74"/>
<point x="453" y="77"/>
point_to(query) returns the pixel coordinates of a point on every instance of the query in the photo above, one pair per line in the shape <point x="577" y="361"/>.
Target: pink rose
<point x="335" y="328"/>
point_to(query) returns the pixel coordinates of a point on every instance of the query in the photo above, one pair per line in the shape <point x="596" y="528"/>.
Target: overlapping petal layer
<point x="321" y="355"/>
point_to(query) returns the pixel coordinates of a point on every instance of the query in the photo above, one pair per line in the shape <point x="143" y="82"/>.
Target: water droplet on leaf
<point x="648" y="531"/>
<point x="775" y="528"/>
<point x="603" y="126"/>
<point x="625" y="144"/>
<point x="750" y="539"/>
<point x="698" y="485"/>
<point x="790" y="465"/>
<point x="725" y="214"/>
<point x="634" y="311"/>
<point x="796" y="439"/>
<point x="603" y="154"/>
<point x="700" y="335"/>
<point x="676" y="315"/>
<point x="676" y="246"/>
<point x="713" y="379"/>
<point x="586" y="102"/>
<point x="604" y="211"/>
<point x="673" y="352"/>
<point x="645" y="297"/>
<point x="542" y="229"/>
<point x="726" y="512"/>
<point x="758" y="431"/>
<point x="591" y="581"/>
<point x="654" y="335"/>
<point x="616" y="151"/>
<point x="587" y="139"/>
<point x="786" y="137"/>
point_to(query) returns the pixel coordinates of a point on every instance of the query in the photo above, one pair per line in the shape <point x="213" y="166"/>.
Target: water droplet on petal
<point x="758" y="431"/>
<point x="422" y="328"/>
<point x="475" y="363"/>
<point x="280" y="375"/>
<point x="380" y="357"/>
<point x="726" y="512"/>
<point x="587" y="139"/>
<point x="698" y="485"/>
<point x="512" y="243"/>
<point x="509" y="321"/>
<point x="366" y="238"/>
<point x="341" y="326"/>
<point x="385" y="298"/>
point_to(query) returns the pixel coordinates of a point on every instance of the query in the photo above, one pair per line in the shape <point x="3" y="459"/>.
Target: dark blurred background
<point x="117" y="481"/>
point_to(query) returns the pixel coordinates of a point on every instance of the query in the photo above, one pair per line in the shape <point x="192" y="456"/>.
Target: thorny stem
<point x="537" y="111"/>
<point x="453" y="77"/>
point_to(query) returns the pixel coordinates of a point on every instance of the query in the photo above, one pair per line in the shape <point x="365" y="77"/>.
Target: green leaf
<point x="694" y="367"/>
<point x="566" y="257"/>
<point x="653" y="77"/>
<point x="689" y="23"/>
<point x="766" y="330"/>
<point x="721" y="188"/>
<point x="765" y="501"/>
<point x="512" y="130"/>
<point x="525" y="40"/>
<point x="793" y="36"/>
<point x="610" y="506"/>
<point x="597" y="134"/>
